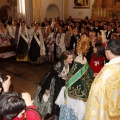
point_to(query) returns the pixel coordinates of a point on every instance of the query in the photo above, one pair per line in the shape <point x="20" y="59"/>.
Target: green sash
<point x="76" y="73"/>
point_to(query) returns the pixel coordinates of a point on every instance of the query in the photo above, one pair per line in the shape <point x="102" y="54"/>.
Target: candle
<point x="98" y="13"/>
<point x="104" y="12"/>
<point x="101" y="12"/>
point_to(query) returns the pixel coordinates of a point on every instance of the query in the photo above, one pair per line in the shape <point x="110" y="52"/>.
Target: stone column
<point x="65" y="9"/>
<point x="28" y="10"/>
<point x="37" y="10"/>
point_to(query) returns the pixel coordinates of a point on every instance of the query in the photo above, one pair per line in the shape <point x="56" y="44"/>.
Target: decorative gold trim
<point x="78" y="98"/>
<point x="77" y="4"/>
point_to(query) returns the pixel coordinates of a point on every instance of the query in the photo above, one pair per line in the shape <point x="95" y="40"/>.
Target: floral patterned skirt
<point x="6" y="42"/>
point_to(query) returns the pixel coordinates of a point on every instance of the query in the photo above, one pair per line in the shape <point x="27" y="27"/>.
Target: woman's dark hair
<point x="60" y="27"/>
<point x="100" y="49"/>
<point x="98" y="39"/>
<point x="71" y="26"/>
<point x="64" y="55"/>
<point x="11" y="104"/>
<point x="85" y="33"/>
<point x="114" y="35"/>
<point x="114" y="46"/>
<point x="23" y="22"/>
<point x="37" y="23"/>
<point x="99" y="32"/>
<point x="76" y="29"/>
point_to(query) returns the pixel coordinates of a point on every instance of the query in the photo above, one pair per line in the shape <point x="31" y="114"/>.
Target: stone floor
<point x="24" y="76"/>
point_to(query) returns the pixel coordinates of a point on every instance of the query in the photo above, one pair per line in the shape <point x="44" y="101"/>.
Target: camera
<point x="4" y="78"/>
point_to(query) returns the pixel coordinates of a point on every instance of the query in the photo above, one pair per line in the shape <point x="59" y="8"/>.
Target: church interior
<point x="37" y="10"/>
<point x="25" y="76"/>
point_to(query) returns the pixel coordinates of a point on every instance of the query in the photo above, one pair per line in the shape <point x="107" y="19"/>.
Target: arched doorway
<point x="4" y="13"/>
<point x="52" y="11"/>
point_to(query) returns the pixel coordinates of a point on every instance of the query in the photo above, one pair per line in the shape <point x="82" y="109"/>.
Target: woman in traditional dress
<point x="60" y="43"/>
<point x="23" y="41"/>
<point x="5" y="41"/>
<point x="13" y="32"/>
<point x="44" y="34"/>
<point x="51" y="85"/>
<point x="73" y="96"/>
<point x="74" y="40"/>
<point x="68" y="35"/>
<point x="37" y="47"/>
<point x="92" y="36"/>
<point x="32" y="28"/>
<point x="50" y="42"/>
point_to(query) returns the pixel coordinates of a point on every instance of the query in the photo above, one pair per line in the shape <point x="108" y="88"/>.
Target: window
<point x="22" y="7"/>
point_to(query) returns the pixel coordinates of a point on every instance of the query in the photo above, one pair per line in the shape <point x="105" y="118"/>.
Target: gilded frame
<point x="81" y="3"/>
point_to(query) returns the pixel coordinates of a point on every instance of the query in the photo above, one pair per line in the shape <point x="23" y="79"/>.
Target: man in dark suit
<point x="109" y="32"/>
<point x="92" y="28"/>
<point x="118" y="30"/>
<point x="97" y="26"/>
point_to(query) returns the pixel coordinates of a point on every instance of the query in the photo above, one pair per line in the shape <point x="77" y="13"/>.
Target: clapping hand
<point x="27" y="98"/>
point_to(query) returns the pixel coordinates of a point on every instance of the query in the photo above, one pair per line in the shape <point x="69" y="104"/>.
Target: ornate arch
<point x="54" y="5"/>
<point x="4" y="12"/>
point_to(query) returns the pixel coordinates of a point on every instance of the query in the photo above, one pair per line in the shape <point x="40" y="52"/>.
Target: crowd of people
<point x="83" y="83"/>
<point x="47" y="41"/>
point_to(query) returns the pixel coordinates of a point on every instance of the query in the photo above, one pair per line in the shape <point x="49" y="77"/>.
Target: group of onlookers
<point x="50" y="38"/>
<point x="15" y="106"/>
<point x="79" y="47"/>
